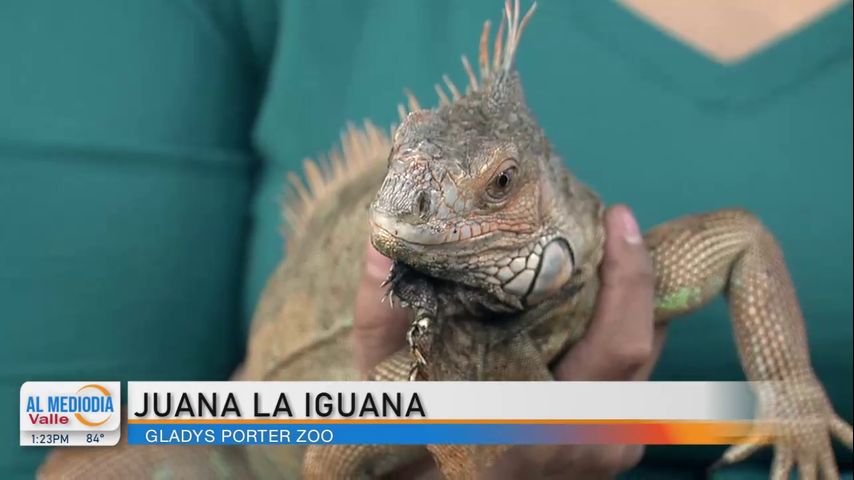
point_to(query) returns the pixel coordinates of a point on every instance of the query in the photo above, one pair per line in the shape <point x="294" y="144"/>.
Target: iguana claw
<point x="804" y="422"/>
<point x="389" y="276"/>
<point x="417" y="330"/>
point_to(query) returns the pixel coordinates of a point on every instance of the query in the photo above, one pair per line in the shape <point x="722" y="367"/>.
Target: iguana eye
<point x="502" y="182"/>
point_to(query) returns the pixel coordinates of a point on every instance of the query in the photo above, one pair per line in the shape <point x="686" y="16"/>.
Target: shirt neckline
<point x="676" y="65"/>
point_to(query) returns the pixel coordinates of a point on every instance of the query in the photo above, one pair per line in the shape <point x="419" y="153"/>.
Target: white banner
<point x="441" y="400"/>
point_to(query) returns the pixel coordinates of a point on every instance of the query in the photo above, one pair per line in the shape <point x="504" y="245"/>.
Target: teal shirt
<point x="143" y="149"/>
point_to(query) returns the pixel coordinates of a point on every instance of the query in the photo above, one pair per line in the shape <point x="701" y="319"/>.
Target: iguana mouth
<point x="422" y="234"/>
<point x="414" y="234"/>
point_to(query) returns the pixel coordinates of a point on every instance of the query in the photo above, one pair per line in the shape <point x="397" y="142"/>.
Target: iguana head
<point x="472" y="189"/>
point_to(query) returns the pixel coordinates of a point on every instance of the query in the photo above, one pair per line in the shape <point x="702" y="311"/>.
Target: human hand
<point x="621" y="343"/>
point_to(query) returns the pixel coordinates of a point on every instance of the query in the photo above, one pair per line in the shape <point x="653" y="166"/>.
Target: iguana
<point x="496" y="249"/>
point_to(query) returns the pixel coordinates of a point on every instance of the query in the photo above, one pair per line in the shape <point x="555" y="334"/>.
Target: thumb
<point x="619" y="339"/>
<point x="378" y="329"/>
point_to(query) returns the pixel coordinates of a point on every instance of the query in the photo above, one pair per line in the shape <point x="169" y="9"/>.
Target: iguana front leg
<point x="413" y="290"/>
<point x="729" y="251"/>
<point x="323" y="462"/>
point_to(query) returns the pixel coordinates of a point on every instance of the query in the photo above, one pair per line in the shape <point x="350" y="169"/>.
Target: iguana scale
<point x="496" y="248"/>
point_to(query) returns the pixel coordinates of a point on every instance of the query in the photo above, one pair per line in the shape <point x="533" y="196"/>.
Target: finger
<point x="781" y="469"/>
<point x="659" y="334"/>
<point x="619" y="340"/>
<point x="601" y="461"/>
<point x="627" y="279"/>
<point x="842" y="431"/>
<point x="827" y="462"/>
<point x="378" y="329"/>
<point x="632" y="455"/>
<point x="553" y="461"/>
<point x="565" y="370"/>
<point x="807" y="469"/>
<point x="741" y="451"/>
<point x="523" y="460"/>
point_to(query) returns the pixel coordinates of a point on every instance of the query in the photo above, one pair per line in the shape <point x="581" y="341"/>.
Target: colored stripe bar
<point x="649" y="433"/>
<point x="376" y="421"/>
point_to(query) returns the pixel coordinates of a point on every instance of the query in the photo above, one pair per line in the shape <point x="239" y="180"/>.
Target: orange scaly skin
<point x="303" y="323"/>
<point x="731" y="252"/>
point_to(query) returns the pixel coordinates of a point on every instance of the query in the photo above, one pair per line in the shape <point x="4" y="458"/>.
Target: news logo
<point x="70" y="413"/>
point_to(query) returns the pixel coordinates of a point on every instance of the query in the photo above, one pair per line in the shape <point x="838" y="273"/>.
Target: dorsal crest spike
<point x="414" y="105"/>
<point x="470" y="73"/>
<point x="503" y="58"/>
<point x="483" y="50"/>
<point x="455" y="93"/>
<point x="492" y="66"/>
<point x="443" y="97"/>
<point x="362" y="148"/>
<point x="515" y="27"/>
<point x="499" y="45"/>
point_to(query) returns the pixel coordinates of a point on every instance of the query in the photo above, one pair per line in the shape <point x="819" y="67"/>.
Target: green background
<point x="143" y="147"/>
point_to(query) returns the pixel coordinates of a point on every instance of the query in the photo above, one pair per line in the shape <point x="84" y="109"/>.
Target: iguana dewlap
<point x="497" y="248"/>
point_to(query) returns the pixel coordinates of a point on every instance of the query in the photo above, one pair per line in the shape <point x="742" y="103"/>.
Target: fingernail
<point x="631" y="231"/>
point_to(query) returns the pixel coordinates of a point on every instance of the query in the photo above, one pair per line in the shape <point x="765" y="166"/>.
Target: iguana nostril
<point x="422" y="204"/>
